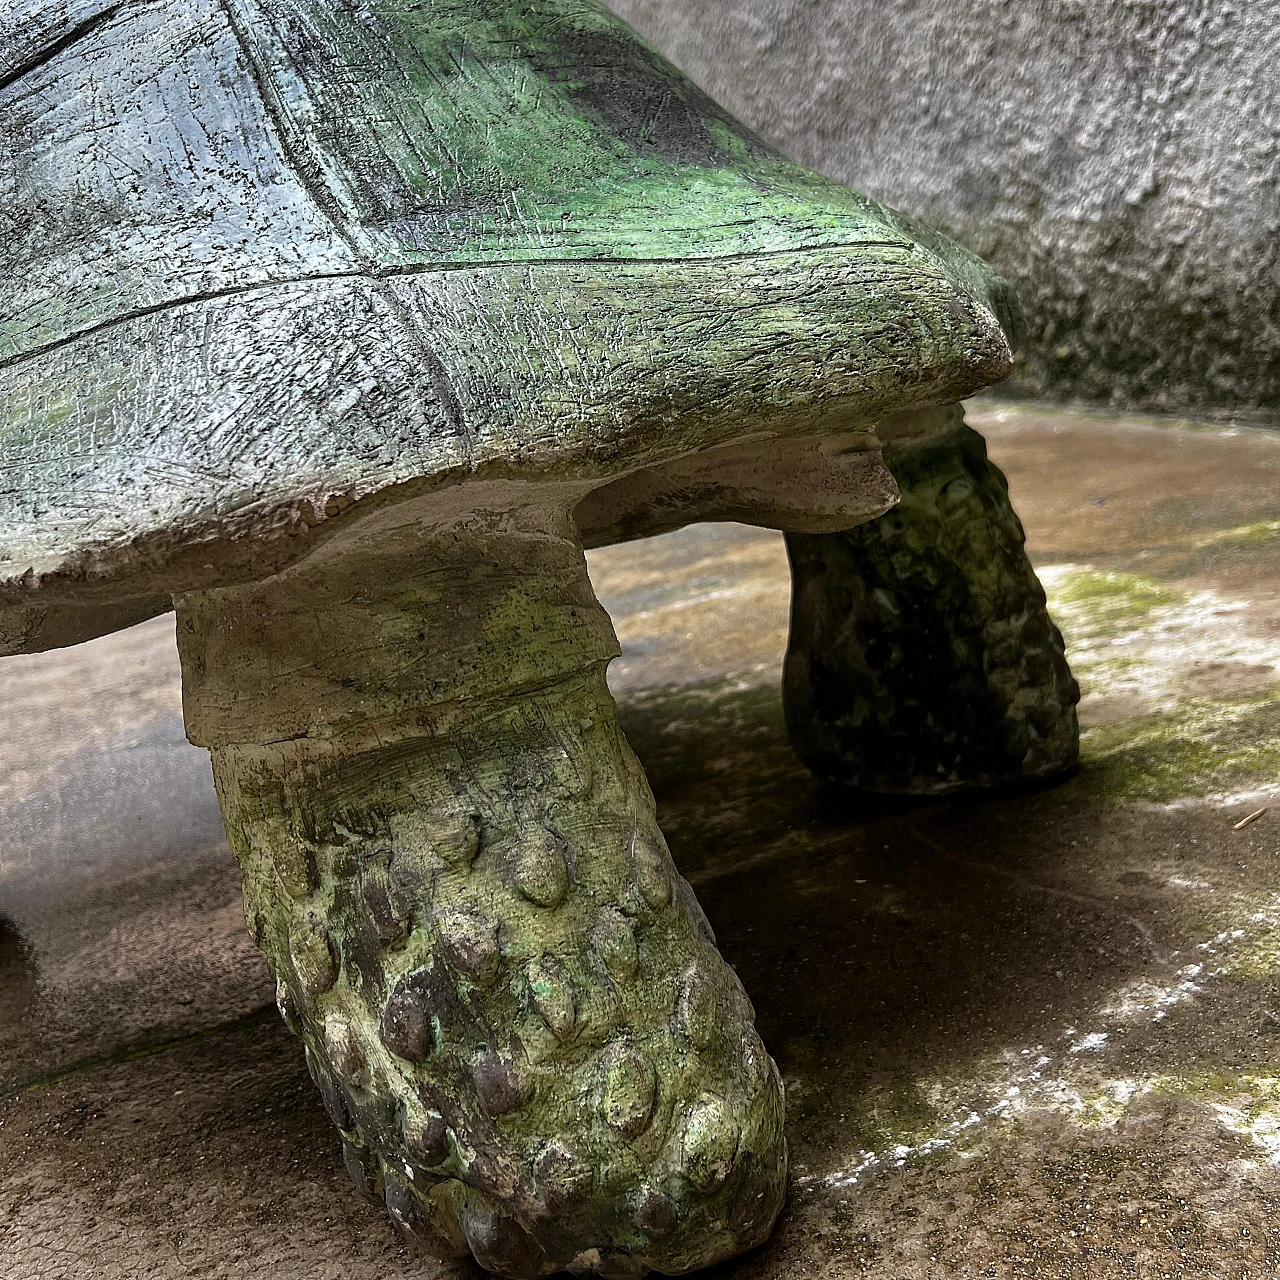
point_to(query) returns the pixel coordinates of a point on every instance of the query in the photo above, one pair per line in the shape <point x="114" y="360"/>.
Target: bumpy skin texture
<point x="1116" y="162"/>
<point x="922" y="659"/>
<point x="512" y="1003"/>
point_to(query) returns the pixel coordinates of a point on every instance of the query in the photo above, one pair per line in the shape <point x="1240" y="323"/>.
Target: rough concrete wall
<point x="1117" y="161"/>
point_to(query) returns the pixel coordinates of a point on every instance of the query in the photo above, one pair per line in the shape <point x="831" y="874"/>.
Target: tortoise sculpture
<point x="343" y="326"/>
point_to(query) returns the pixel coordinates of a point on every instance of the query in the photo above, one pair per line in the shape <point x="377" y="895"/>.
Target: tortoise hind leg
<point x="922" y="658"/>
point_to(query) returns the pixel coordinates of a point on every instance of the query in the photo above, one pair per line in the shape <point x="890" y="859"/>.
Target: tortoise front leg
<point x="510" y="1000"/>
<point x="922" y="658"/>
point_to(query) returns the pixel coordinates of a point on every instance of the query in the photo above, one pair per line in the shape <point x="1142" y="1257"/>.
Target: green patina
<point x="545" y="130"/>
<point x="476" y="928"/>
<point x="888" y="1119"/>
<point x="1177" y="745"/>
<point x="533" y="127"/>
<point x="921" y="659"/>
<point x="924" y="1119"/>
<point x="505" y="991"/>
<point x="1250" y="1098"/>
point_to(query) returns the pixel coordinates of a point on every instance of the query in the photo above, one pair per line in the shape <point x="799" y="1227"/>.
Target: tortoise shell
<point x="272" y="264"/>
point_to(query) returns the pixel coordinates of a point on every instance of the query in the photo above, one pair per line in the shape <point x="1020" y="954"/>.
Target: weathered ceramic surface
<point x="1116" y="161"/>
<point x="998" y="1057"/>
<point x="264" y="261"/>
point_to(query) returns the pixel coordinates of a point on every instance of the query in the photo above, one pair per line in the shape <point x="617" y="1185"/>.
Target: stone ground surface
<point x="1027" y="1036"/>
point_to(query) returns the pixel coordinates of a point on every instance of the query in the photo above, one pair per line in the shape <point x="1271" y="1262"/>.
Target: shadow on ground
<point x="1034" y="1035"/>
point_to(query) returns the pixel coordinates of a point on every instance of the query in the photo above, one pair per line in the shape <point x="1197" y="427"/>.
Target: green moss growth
<point x="1259" y="533"/>
<point x="1093" y="603"/>
<point x="1205" y="747"/>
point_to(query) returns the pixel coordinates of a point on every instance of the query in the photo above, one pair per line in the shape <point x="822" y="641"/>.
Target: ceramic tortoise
<point x="342" y="327"/>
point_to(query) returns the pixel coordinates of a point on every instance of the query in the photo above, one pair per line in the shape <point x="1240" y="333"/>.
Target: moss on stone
<point x="1094" y="603"/>
<point x="1132" y="637"/>
<point x="1205" y="747"/>
<point x="1260" y="532"/>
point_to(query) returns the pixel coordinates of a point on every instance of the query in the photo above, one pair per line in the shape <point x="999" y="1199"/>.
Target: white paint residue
<point x="1147" y="1000"/>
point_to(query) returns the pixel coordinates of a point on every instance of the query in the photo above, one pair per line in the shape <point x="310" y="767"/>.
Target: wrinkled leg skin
<point x="511" y="1002"/>
<point x="922" y="658"/>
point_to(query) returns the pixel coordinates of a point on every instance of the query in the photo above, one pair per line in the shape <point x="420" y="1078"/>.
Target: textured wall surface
<point x="1116" y="161"/>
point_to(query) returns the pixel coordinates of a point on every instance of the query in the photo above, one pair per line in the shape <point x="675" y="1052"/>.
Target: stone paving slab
<point x="120" y="920"/>
<point x="1027" y="1036"/>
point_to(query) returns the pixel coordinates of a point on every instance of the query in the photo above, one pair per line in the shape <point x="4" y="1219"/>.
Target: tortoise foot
<point x="510" y="999"/>
<point x="511" y="1002"/>
<point x="922" y="658"/>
